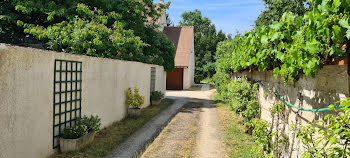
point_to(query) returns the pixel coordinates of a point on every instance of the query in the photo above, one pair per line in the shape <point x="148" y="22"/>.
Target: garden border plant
<point x="82" y="134"/>
<point x="156" y="97"/>
<point x="134" y="101"/>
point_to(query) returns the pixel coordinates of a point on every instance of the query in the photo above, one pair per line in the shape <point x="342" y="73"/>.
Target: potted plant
<point x="83" y="133"/>
<point x="156" y="97"/>
<point x="134" y="102"/>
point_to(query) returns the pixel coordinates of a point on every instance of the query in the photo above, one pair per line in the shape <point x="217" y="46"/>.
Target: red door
<point x="174" y="80"/>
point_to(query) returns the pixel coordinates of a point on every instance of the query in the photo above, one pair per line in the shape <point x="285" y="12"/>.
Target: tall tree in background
<point x="206" y="39"/>
<point x="275" y="9"/>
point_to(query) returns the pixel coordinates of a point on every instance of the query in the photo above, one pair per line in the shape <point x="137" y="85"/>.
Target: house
<point x="183" y="39"/>
<point x="183" y="75"/>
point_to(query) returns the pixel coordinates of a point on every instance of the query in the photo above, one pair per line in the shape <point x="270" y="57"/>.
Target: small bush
<point x="134" y="100"/>
<point x="156" y="95"/>
<point x="241" y="95"/>
<point x="261" y="134"/>
<point x="220" y="81"/>
<point x="75" y="132"/>
<point x="92" y="123"/>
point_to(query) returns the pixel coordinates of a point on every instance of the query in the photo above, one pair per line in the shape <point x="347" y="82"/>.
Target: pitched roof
<point x="182" y="38"/>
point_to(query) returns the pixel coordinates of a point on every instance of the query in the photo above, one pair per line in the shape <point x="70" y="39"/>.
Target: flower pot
<point x="67" y="145"/>
<point x="134" y="112"/>
<point x="156" y="102"/>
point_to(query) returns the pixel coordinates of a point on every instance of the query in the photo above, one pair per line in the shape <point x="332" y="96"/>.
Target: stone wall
<point x="329" y="86"/>
<point x="26" y="95"/>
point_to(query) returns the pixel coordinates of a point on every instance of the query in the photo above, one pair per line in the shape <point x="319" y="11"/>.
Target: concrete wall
<point x="26" y="95"/>
<point x="329" y="86"/>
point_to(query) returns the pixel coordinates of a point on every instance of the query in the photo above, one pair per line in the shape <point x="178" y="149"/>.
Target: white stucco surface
<point x="188" y="77"/>
<point x="26" y="95"/>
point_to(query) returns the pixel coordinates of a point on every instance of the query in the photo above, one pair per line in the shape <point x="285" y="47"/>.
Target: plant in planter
<point x="134" y="102"/>
<point x="156" y="97"/>
<point x="74" y="138"/>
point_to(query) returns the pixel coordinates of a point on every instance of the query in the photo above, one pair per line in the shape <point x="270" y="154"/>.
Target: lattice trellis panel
<point x="153" y="79"/>
<point x="67" y="96"/>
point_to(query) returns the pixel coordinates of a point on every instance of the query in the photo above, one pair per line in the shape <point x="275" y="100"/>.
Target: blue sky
<point x="228" y="15"/>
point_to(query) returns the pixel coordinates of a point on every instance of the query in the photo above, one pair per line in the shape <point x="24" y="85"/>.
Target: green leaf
<point x="264" y="39"/>
<point x="344" y="22"/>
<point x="333" y="140"/>
<point x="336" y="4"/>
<point x="312" y="46"/>
<point x="280" y="55"/>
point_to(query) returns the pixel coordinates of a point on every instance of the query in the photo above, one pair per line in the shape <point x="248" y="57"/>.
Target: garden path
<point x="193" y="132"/>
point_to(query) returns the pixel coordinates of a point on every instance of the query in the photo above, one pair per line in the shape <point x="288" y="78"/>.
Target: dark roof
<point x="182" y="38"/>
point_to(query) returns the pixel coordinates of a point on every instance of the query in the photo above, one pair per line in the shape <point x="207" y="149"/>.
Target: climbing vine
<point x="292" y="46"/>
<point x="329" y="137"/>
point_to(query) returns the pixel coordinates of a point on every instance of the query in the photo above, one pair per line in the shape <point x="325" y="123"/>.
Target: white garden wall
<point x="26" y="95"/>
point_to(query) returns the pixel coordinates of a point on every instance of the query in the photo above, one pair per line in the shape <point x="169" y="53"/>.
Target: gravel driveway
<point x="193" y="132"/>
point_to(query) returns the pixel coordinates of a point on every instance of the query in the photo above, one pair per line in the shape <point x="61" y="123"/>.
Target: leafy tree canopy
<point x="115" y="29"/>
<point x="274" y="10"/>
<point x="292" y="46"/>
<point x="206" y="39"/>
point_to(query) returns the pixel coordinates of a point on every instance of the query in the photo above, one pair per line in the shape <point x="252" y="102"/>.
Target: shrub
<point x="134" y="100"/>
<point x="75" y="132"/>
<point x="92" y="123"/>
<point x="156" y="95"/>
<point x="261" y="134"/>
<point x="220" y="81"/>
<point x="241" y="95"/>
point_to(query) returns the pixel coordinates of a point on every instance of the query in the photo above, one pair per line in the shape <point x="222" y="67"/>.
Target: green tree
<point x="115" y="29"/>
<point x="206" y="39"/>
<point x="275" y="9"/>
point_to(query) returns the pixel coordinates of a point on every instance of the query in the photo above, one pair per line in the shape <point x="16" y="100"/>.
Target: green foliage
<point x="84" y="125"/>
<point x="292" y="46"/>
<point x="75" y="132"/>
<point x="241" y="95"/>
<point x="275" y="9"/>
<point x="134" y="100"/>
<point x="116" y="29"/>
<point x="93" y="123"/>
<point x="278" y="108"/>
<point x="206" y="39"/>
<point x="329" y="137"/>
<point x="220" y="81"/>
<point x="261" y="134"/>
<point x="157" y="95"/>
<point x="87" y="34"/>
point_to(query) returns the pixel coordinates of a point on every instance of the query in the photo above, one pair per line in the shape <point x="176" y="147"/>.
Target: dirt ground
<point x="178" y="138"/>
<point x="194" y="132"/>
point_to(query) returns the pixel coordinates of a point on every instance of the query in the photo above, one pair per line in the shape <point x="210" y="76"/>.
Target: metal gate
<point x="67" y="96"/>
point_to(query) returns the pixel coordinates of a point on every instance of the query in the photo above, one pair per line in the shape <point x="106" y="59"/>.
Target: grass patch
<point x="238" y="143"/>
<point x="108" y="138"/>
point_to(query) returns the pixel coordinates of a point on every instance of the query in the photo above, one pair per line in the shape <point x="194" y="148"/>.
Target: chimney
<point x="161" y="1"/>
